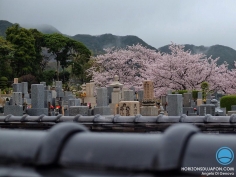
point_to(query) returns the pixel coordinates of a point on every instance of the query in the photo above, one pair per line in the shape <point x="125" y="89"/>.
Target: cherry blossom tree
<point x="182" y="70"/>
<point x="179" y="70"/>
<point x="226" y="80"/>
<point x="128" y="64"/>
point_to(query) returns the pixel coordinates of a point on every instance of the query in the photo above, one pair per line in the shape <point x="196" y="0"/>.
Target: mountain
<point x="46" y="29"/>
<point x="98" y="43"/>
<point x="225" y="53"/>
<point x="3" y="27"/>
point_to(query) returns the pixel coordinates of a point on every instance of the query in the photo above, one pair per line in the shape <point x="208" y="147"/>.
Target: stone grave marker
<point x="115" y="95"/>
<point x="187" y="99"/>
<point x="148" y="107"/>
<point x="90" y="98"/>
<point x="175" y="105"/>
<point x="37" y="101"/>
<point x="102" y="107"/>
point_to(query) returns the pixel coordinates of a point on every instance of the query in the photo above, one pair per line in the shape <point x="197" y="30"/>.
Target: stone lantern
<point x="116" y="94"/>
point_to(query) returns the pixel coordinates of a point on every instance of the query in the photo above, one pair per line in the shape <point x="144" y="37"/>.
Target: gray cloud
<point x="157" y="22"/>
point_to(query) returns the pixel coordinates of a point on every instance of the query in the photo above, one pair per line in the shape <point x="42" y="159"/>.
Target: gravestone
<point x="133" y="89"/>
<point x="187" y="99"/>
<point x="122" y="93"/>
<point x="68" y="95"/>
<point x="37" y="101"/>
<point x="148" y="107"/>
<point x="224" y="111"/>
<point x="58" y="89"/>
<point x="208" y="95"/>
<point x="17" y="98"/>
<point x="48" y="87"/>
<point x="83" y="110"/>
<point x="102" y="107"/>
<point x="163" y="100"/>
<point x="175" y="105"/>
<point x="128" y="95"/>
<point x="140" y="95"/>
<point x="129" y="108"/>
<point x="54" y="96"/>
<point x="17" y="87"/>
<point x="233" y="107"/>
<point x="15" y="81"/>
<point x="115" y="95"/>
<point x="193" y="104"/>
<point x="74" y="102"/>
<point x="15" y="110"/>
<point x="207" y="109"/>
<point x="44" y="83"/>
<point x="90" y="98"/>
<point x="148" y="95"/>
<point x="25" y="93"/>
<point x="109" y="91"/>
<point x="188" y="110"/>
<point x="47" y="98"/>
<point x="75" y="110"/>
<point x="199" y="95"/>
<point x="199" y="99"/>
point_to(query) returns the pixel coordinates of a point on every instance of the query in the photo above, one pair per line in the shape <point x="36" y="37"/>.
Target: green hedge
<point x="180" y="92"/>
<point x="195" y="94"/>
<point x="3" y="82"/>
<point x="227" y="101"/>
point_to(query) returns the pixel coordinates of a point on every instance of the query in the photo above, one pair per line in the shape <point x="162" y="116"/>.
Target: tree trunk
<point x="58" y="63"/>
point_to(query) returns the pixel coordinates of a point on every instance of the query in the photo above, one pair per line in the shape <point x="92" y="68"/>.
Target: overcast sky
<point x="157" y="22"/>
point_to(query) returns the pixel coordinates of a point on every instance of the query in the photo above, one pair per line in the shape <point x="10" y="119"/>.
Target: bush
<point x="48" y="76"/>
<point x="3" y="82"/>
<point x="181" y="91"/>
<point x="227" y="101"/>
<point x="195" y="94"/>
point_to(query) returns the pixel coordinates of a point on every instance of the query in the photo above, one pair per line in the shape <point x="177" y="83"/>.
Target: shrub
<point x="227" y="101"/>
<point x="195" y="94"/>
<point x="205" y="87"/>
<point x="3" y="82"/>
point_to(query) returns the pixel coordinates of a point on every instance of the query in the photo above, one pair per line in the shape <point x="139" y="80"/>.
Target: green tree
<point x="205" y="89"/>
<point x="48" y="76"/>
<point x="6" y="53"/>
<point x="25" y="55"/>
<point x="38" y="66"/>
<point x="56" y="44"/>
<point x="67" y="51"/>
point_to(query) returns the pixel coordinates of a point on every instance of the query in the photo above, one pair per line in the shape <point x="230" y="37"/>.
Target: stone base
<point x="26" y="95"/>
<point x="188" y="110"/>
<point x="15" y="110"/>
<point x="91" y="100"/>
<point x="60" y="93"/>
<point x="37" y="111"/>
<point x="74" y="102"/>
<point x="129" y="108"/>
<point x="208" y="101"/>
<point x="231" y="112"/>
<point x="114" y="108"/>
<point x="74" y="110"/>
<point x="102" y="110"/>
<point x="149" y="111"/>
<point x="207" y="109"/>
<point x="192" y="114"/>
<point x="199" y="102"/>
<point x="66" y="112"/>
